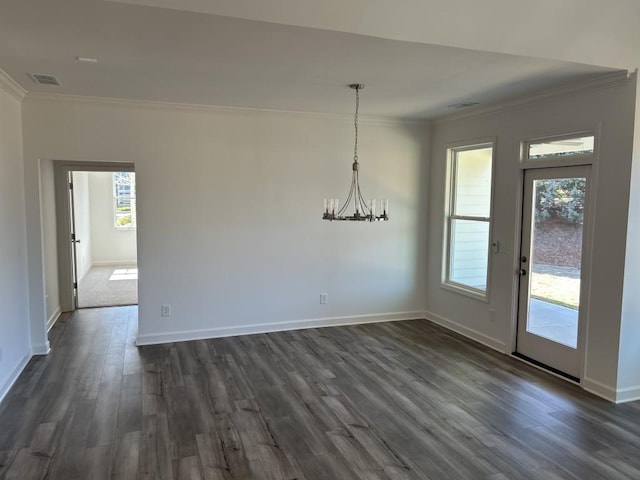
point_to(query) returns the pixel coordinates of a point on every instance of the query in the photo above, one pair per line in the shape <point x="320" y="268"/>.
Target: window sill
<point x="482" y="296"/>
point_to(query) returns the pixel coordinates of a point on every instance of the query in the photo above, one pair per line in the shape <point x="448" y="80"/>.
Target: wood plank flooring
<point x="403" y="400"/>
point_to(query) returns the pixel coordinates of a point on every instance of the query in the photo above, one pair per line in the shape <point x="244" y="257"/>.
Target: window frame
<point x="450" y="216"/>
<point x="132" y="199"/>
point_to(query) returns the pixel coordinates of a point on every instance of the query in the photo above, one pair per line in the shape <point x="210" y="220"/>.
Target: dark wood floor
<point x="400" y="400"/>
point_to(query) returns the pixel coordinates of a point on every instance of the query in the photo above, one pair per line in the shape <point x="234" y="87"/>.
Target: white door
<point x="74" y="241"/>
<point x="552" y="284"/>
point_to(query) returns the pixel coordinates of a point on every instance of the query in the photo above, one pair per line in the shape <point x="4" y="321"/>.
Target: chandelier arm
<point x="356" y="193"/>
<point x="346" y="203"/>
<point x="363" y="203"/>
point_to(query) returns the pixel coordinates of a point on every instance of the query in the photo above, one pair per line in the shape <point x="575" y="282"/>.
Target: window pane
<point x="124" y="192"/>
<point x="564" y="147"/>
<point x="469" y="252"/>
<point x="473" y="182"/>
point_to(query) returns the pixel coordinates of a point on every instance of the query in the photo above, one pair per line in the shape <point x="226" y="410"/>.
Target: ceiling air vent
<point x="458" y="106"/>
<point x="44" y="79"/>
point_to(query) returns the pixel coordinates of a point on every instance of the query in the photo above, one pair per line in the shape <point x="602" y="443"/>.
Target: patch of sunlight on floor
<point x="124" y="274"/>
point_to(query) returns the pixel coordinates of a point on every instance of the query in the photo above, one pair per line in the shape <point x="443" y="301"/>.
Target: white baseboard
<point x="54" y="318"/>
<point x="103" y="263"/>
<point x="66" y="308"/>
<point x="600" y="389"/>
<point x="4" y="389"/>
<point x="629" y="394"/>
<point x="42" y="349"/>
<point x="474" y="335"/>
<point x="152" y="339"/>
<point x="615" y="395"/>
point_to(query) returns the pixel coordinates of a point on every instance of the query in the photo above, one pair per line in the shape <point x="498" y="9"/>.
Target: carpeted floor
<point x="105" y="286"/>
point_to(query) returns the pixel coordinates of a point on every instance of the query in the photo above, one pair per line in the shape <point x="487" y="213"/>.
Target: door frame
<point x="61" y="170"/>
<point x="74" y="238"/>
<point x="526" y="164"/>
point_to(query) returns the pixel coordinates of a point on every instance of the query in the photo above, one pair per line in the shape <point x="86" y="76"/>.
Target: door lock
<point x="523" y="272"/>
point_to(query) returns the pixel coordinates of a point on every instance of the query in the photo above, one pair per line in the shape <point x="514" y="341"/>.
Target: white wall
<point x="50" y="242"/>
<point x="629" y="359"/>
<point x="83" y="223"/>
<point x="609" y="110"/>
<point x="15" y="349"/>
<point x="229" y="212"/>
<point x="110" y="245"/>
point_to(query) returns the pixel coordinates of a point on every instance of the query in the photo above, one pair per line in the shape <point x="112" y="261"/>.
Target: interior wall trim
<point x="607" y="80"/>
<point x="629" y="394"/>
<point x="486" y="340"/>
<point x="600" y="389"/>
<point x="80" y="99"/>
<point x="42" y="349"/>
<point x="4" y="388"/>
<point x="12" y="87"/>
<point x="51" y="321"/>
<point x="111" y="263"/>
<point x="219" y="332"/>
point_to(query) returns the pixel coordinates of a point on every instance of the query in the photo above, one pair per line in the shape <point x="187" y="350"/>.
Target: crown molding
<point x="88" y="100"/>
<point x="607" y="80"/>
<point x="12" y="87"/>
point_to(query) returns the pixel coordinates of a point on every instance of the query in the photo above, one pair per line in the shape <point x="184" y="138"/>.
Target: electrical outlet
<point x="166" y="310"/>
<point x="324" y="298"/>
<point x="492" y="315"/>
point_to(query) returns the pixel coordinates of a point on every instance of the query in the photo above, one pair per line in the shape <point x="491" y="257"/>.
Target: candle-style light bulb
<point x="326" y="206"/>
<point x="337" y="204"/>
<point x="373" y="208"/>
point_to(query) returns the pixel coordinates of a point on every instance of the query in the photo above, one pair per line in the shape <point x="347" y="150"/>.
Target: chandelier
<point x="363" y="210"/>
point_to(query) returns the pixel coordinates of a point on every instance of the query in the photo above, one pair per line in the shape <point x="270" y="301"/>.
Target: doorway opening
<point x="96" y="215"/>
<point x="103" y="237"/>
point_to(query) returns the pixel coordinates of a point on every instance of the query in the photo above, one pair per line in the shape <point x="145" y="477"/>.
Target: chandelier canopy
<point x="363" y="210"/>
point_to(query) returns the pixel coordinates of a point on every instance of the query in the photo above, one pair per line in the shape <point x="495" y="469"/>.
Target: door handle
<point x="523" y="272"/>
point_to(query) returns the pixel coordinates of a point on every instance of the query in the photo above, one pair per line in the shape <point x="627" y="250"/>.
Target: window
<point x="560" y="147"/>
<point x="124" y="200"/>
<point x="468" y="218"/>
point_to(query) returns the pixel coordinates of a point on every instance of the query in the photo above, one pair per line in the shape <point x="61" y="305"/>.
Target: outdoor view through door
<point x="556" y="250"/>
<point x="104" y="214"/>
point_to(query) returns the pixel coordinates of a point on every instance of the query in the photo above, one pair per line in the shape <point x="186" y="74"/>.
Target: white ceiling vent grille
<point x="44" y="79"/>
<point x="458" y="106"/>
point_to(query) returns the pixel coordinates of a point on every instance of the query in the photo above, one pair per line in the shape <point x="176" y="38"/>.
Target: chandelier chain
<point x="355" y="123"/>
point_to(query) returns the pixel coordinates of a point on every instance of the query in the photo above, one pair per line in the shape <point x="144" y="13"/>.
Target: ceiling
<point x="171" y="55"/>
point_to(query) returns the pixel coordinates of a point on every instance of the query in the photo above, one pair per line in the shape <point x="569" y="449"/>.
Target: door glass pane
<point x="554" y="299"/>
<point x="469" y="253"/>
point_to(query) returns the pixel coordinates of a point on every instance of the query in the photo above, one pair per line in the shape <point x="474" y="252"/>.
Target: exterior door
<point x="552" y="283"/>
